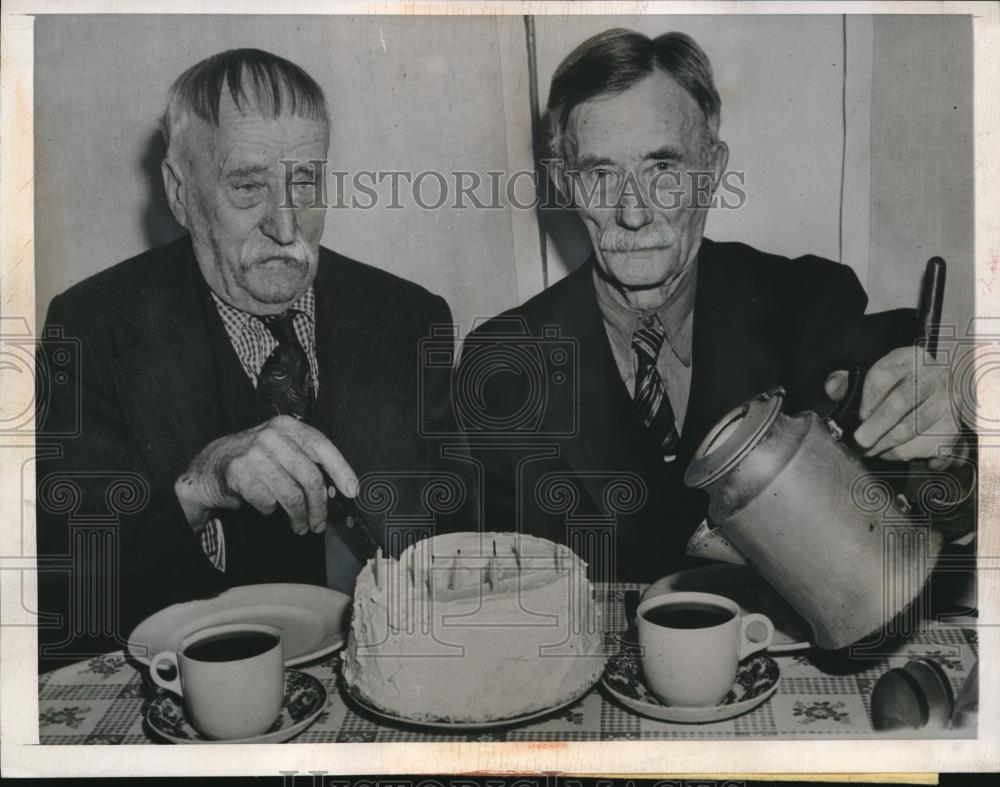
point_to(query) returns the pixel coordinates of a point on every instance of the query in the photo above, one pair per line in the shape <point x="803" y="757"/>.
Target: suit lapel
<point x="350" y="372"/>
<point x="610" y="437"/>
<point x="735" y="343"/>
<point x="166" y="372"/>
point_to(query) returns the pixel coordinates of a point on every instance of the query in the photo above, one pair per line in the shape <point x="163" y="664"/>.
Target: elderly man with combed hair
<point x="245" y="374"/>
<point x="668" y="330"/>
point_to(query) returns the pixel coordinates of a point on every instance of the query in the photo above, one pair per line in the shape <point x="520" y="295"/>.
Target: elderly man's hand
<point x="906" y="413"/>
<point x="276" y="463"/>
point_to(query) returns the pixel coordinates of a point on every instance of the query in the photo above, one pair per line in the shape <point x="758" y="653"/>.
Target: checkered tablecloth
<point x="820" y="695"/>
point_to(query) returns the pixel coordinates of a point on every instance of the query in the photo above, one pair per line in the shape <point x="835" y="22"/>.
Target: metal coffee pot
<point x="799" y="504"/>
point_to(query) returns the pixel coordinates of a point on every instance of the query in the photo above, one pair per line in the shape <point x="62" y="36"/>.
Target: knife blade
<point x="344" y="514"/>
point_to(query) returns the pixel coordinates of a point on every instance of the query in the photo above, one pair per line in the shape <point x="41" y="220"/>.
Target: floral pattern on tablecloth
<point x="105" y="666"/>
<point x="821" y="710"/>
<point x="67" y="716"/>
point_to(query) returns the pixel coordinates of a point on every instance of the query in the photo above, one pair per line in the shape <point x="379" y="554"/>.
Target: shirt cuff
<point x="213" y="542"/>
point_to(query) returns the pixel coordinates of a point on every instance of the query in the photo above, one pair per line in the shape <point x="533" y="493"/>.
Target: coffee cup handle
<point x="747" y="645"/>
<point x="162" y="658"/>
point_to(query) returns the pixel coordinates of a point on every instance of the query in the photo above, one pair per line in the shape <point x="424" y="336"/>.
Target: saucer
<point x="756" y="680"/>
<point x="305" y="699"/>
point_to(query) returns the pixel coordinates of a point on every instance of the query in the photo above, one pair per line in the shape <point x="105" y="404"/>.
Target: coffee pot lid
<point x="733" y="437"/>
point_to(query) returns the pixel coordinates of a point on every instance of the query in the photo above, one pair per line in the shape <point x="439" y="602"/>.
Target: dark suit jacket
<point x="158" y="380"/>
<point x="759" y="320"/>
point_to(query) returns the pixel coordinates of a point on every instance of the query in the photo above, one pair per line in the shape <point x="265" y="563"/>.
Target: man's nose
<point x="280" y="224"/>
<point x="633" y="213"/>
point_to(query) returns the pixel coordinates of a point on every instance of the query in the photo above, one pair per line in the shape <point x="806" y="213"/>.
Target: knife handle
<point x="931" y="303"/>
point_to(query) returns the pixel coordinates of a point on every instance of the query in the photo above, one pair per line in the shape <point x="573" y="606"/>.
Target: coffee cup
<point x="231" y="678"/>
<point x="692" y="644"/>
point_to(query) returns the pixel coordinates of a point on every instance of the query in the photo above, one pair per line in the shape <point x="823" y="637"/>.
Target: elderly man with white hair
<point x="243" y="375"/>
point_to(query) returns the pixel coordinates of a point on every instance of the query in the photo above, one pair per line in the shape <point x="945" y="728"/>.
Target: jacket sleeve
<point x="827" y="304"/>
<point x="112" y="546"/>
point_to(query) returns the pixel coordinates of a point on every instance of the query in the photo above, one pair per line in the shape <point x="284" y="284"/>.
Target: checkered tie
<point x="284" y="386"/>
<point x="650" y="399"/>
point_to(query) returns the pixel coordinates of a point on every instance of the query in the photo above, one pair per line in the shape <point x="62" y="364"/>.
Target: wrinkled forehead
<point x="653" y="113"/>
<point x="255" y="135"/>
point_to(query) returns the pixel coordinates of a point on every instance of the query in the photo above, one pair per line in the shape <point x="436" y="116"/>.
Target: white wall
<point x="921" y="164"/>
<point x="452" y="93"/>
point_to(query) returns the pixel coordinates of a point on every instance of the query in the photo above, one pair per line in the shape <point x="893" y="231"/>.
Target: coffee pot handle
<point x="163" y="658"/>
<point x="845" y="417"/>
<point x="747" y="645"/>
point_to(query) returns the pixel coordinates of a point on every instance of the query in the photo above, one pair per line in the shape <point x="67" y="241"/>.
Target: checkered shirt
<point x="253" y="342"/>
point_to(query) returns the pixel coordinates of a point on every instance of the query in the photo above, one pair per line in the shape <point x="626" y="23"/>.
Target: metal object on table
<point x="915" y="696"/>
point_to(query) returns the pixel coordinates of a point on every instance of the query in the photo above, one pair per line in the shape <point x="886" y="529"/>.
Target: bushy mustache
<point x="258" y="250"/>
<point x="618" y="239"/>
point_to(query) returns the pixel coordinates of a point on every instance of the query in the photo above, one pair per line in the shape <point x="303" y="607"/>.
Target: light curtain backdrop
<point x="855" y="134"/>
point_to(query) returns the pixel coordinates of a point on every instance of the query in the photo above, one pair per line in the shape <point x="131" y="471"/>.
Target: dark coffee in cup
<point x="692" y="644"/>
<point x="231" y="647"/>
<point x="231" y="677"/>
<point x="688" y="616"/>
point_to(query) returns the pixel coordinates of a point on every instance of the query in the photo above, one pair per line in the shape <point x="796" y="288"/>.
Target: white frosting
<point x="452" y="632"/>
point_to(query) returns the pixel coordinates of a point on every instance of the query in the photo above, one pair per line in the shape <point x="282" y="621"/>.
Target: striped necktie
<point x="650" y="398"/>
<point x="284" y="385"/>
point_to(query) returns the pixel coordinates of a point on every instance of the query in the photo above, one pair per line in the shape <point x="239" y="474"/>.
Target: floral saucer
<point x="756" y="681"/>
<point x="305" y="699"/>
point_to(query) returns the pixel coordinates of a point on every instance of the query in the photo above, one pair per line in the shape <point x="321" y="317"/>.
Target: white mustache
<point x="257" y="250"/>
<point x="617" y="239"/>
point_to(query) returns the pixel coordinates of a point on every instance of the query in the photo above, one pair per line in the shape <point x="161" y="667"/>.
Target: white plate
<point x="748" y="589"/>
<point x="466" y="725"/>
<point x="305" y="699"/>
<point x="314" y="621"/>
<point x="756" y="680"/>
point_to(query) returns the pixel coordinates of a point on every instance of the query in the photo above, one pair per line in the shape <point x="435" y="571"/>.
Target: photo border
<point x="21" y="755"/>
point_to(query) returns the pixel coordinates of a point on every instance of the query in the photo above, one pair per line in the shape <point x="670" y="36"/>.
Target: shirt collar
<point x="304" y="304"/>
<point x="676" y="315"/>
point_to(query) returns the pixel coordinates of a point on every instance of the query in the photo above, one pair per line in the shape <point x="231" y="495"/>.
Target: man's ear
<point x="718" y="159"/>
<point x="174" y="186"/>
